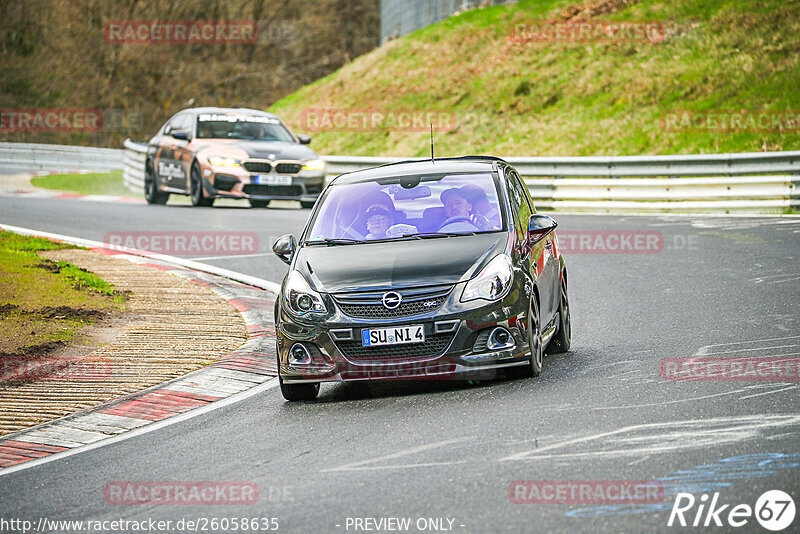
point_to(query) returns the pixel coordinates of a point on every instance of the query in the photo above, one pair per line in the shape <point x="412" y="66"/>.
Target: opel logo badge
<point x="391" y="300"/>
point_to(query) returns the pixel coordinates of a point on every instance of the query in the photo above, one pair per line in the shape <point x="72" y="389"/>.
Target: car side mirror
<point x="304" y="139"/>
<point x="284" y="248"/>
<point x="539" y="226"/>
<point x="180" y="134"/>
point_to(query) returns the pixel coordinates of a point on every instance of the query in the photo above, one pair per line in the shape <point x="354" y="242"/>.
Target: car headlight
<point x="222" y="161"/>
<point x="299" y="298"/>
<point x="492" y="283"/>
<point x="314" y="165"/>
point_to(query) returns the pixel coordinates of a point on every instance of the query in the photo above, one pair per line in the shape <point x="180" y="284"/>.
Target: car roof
<point x="463" y="164"/>
<point x="223" y="111"/>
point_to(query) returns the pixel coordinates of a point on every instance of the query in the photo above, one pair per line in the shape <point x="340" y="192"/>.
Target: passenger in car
<point x="381" y="224"/>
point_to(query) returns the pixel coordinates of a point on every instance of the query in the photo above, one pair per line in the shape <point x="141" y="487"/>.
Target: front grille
<point x="416" y="301"/>
<point x="274" y="190"/>
<point x="288" y="168"/>
<point x="258" y="166"/>
<point x="434" y="346"/>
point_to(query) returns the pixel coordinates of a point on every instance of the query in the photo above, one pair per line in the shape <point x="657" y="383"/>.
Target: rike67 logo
<point x="774" y="510"/>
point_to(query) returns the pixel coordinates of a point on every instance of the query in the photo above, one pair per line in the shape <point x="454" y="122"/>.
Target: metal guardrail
<point x="133" y="170"/>
<point x="32" y="157"/>
<point x="759" y="182"/>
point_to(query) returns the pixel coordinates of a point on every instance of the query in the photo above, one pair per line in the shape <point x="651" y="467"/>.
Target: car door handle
<point x="548" y="244"/>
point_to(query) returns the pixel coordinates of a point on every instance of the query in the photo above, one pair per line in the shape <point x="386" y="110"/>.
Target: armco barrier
<point x="30" y="157"/>
<point x="759" y="182"/>
<point x="133" y="171"/>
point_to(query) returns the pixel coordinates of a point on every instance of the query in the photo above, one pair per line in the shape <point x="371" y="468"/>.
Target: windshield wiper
<point x="331" y="241"/>
<point x="434" y="235"/>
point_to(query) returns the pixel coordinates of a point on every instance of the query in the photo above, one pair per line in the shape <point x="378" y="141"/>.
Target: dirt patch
<point x="48" y="266"/>
<point x="68" y="312"/>
<point x="575" y="13"/>
<point x="35" y="351"/>
<point x="7" y="308"/>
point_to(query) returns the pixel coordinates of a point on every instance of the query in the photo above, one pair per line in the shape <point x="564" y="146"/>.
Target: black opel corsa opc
<point x="420" y="270"/>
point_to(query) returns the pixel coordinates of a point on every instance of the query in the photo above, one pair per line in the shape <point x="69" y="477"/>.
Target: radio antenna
<point x="433" y="160"/>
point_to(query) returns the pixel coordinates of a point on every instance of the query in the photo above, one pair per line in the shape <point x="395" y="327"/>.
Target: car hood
<point x="397" y="264"/>
<point x="276" y="150"/>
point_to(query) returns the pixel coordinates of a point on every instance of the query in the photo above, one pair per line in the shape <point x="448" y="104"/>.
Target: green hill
<point x="571" y="98"/>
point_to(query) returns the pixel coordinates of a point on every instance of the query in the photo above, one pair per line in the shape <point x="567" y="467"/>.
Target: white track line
<point x="189" y="264"/>
<point x="145" y="429"/>
<point x="238" y="277"/>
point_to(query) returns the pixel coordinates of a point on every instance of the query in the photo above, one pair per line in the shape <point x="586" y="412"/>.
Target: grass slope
<point x="570" y="98"/>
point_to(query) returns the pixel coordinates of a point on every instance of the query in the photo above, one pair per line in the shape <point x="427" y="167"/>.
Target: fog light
<point x="500" y="339"/>
<point x="299" y="355"/>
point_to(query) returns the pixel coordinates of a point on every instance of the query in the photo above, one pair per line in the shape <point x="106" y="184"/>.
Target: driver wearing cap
<point x="457" y="209"/>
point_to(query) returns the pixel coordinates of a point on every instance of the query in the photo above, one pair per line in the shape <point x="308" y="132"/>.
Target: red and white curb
<point x="240" y="374"/>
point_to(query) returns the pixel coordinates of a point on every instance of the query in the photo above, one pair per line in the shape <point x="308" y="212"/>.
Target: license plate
<point x="398" y="335"/>
<point x="272" y="179"/>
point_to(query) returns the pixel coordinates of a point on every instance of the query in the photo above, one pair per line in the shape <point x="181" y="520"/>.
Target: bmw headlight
<point x="299" y="298"/>
<point x="492" y="283"/>
<point x="222" y="161"/>
<point x="314" y="165"/>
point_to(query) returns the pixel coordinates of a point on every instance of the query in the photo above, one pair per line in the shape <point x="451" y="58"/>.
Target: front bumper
<point x="304" y="186"/>
<point x="449" y="351"/>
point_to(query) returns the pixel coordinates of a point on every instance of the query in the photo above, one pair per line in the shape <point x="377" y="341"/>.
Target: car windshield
<point x="237" y="126"/>
<point x="407" y="207"/>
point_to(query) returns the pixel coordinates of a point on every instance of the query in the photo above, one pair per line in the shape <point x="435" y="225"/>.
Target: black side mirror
<point x="539" y="226"/>
<point x="180" y="134"/>
<point x="285" y="247"/>
<point x="304" y="139"/>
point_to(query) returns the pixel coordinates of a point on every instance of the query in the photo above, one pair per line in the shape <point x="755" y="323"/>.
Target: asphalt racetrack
<point x="449" y="454"/>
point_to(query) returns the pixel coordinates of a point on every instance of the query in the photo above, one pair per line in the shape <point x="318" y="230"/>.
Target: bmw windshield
<point x="241" y="126"/>
<point x="407" y="207"/>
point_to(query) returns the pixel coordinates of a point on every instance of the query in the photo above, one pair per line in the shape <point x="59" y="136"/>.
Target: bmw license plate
<point x="272" y="179"/>
<point x="397" y="335"/>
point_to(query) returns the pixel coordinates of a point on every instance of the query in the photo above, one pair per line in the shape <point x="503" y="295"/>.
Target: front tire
<point x="198" y="196"/>
<point x="563" y="338"/>
<point x="299" y="392"/>
<point x="151" y="193"/>
<point x="307" y="204"/>
<point x="259" y="203"/>
<point x="536" y="360"/>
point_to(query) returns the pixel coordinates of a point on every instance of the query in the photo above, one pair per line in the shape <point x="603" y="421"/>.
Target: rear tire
<point x="259" y="203"/>
<point x="536" y="360"/>
<point x="563" y="338"/>
<point x="307" y="204"/>
<point x="299" y="392"/>
<point x="197" y="193"/>
<point x="151" y="193"/>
